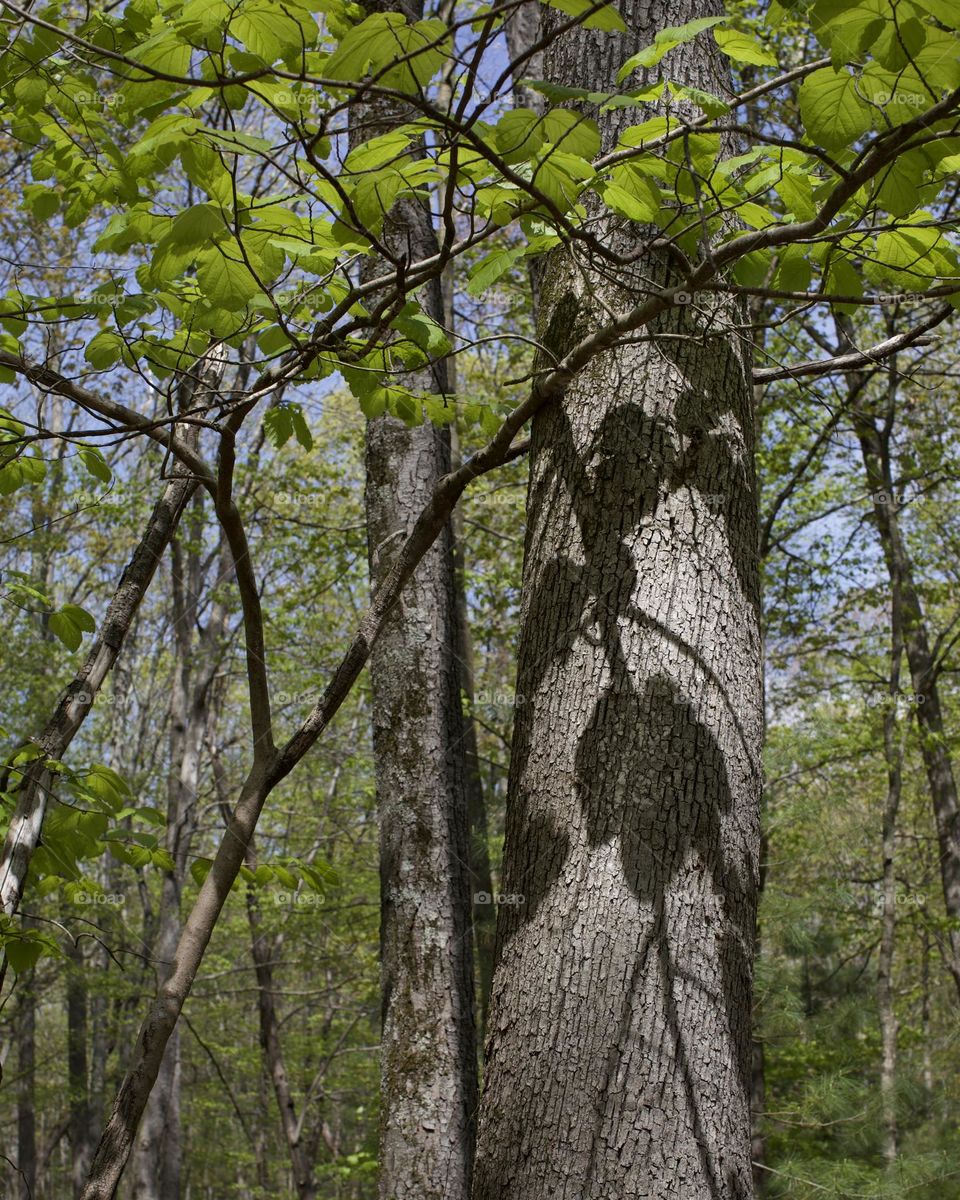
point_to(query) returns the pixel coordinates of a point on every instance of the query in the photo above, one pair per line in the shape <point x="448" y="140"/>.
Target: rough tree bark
<point x="620" y="1029"/>
<point x="428" y="1043"/>
<point x="428" y="1048"/>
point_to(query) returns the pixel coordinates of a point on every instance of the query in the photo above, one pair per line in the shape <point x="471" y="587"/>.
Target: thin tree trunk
<point x="298" y="1147"/>
<point x="82" y="1139"/>
<point x="428" y="1050"/>
<point x="620" y="1028"/>
<point x="428" y="1045"/>
<point x="26" y="1088"/>
<point x="926" y="1024"/>
<point x="893" y="753"/>
<point x="158" y="1160"/>
<point x="481" y="876"/>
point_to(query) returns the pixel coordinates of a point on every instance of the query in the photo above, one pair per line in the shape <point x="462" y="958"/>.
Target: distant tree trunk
<point x="874" y="437"/>
<point x="619" y="1046"/>
<point x="758" y="1064"/>
<point x="82" y="1137"/>
<point x="26" y="1087"/>
<point x="157" y="1164"/>
<point x="893" y="753"/>
<point x="925" y="1023"/>
<point x="428" y="1044"/>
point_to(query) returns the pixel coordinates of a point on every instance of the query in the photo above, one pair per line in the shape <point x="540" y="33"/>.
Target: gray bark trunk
<point x="26" y="1085"/>
<point x="620" y="1029"/>
<point x="82" y="1137"/>
<point x="428" y="1044"/>
<point x="885" y="1003"/>
<point x="428" y="1048"/>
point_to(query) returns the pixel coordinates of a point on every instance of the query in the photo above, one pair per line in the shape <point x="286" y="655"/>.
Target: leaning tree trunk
<point x="428" y="1045"/>
<point x="620" y="1030"/>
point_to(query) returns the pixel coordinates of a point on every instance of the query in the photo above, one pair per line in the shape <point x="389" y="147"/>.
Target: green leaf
<point x="80" y="617"/>
<point x="489" y="269"/>
<point x="200" y="869"/>
<point x="833" y="113"/>
<point x="665" y="41"/>
<point x="22" y="953"/>
<point x="278" y="425"/>
<point x="633" y="195"/>
<point x="225" y="283"/>
<point x="196" y="226"/>
<point x="302" y="430"/>
<point x="380" y="40"/>
<point x="572" y="132"/>
<point x="606" y="18"/>
<point x="30" y="93"/>
<point x="66" y="630"/>
<point x="272" y="31"/>
<point x="104" y="349"/>
<point x="95" y="463"/>
<point x="742" y="47"/>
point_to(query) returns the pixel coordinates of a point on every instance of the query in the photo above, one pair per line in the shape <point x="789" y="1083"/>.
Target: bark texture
<point x="619" y="1044"/>
<point x="428" y="1044"/>
<point x="428" y="1050"/>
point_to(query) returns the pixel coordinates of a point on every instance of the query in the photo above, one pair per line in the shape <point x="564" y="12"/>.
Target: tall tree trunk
<point x="874" y="437"/>
<point x="758" y="1063"/>
<point x="157" y="1162"/>
<point x="484" y="914"/>
<point x="620" y="1027"/>
<point x="893" y="753"/>
<point x="428" y="1045"/>
<point x="26" y="1087"/>
<point x="428" y="1049"/>
<point x="82" y="1138"/>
